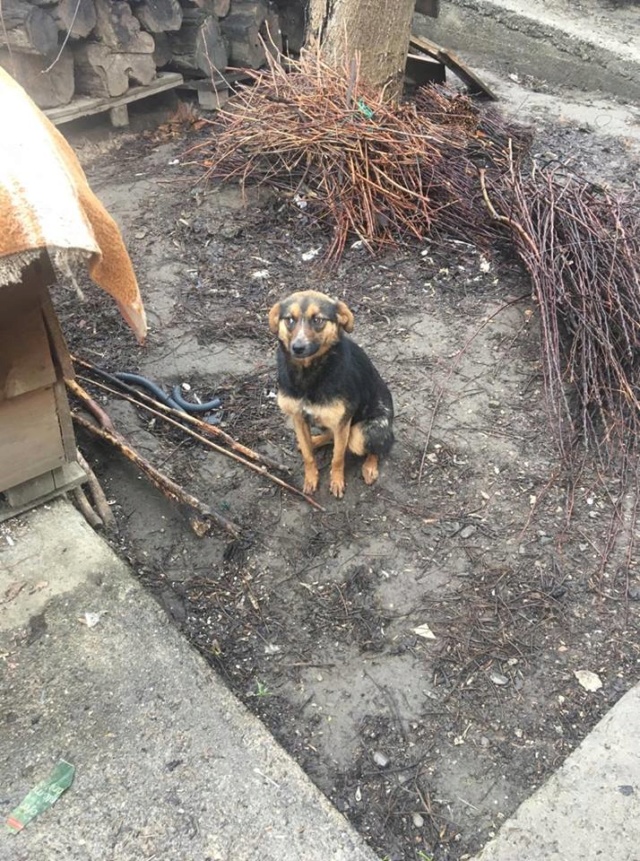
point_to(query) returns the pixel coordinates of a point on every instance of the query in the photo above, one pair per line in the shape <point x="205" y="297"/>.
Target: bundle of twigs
<point x="367" y="168"/>
<point x="581" y="246"/>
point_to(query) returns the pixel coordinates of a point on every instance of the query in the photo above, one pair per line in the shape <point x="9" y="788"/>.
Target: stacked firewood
<point x="58" y="48"/>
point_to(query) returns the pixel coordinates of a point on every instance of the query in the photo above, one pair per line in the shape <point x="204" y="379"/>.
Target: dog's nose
<point x="298" y="348"/>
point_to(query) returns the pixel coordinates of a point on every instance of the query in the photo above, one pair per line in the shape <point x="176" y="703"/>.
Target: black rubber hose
<point x="191" y="407"/>
<point x="139" y="380"/>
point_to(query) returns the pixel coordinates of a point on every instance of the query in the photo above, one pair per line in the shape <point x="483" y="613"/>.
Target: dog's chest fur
<point x="326" y="415"/>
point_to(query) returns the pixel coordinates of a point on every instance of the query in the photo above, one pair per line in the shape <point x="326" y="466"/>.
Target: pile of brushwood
<point x="439" y="165"/>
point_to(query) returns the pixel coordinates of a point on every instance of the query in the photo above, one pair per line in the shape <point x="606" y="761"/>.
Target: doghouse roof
<point x="46" y="205"/>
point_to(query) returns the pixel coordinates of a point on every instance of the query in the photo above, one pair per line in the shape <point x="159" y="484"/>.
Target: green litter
<point x="41" y="797"/>
<point x="364" y="109"/>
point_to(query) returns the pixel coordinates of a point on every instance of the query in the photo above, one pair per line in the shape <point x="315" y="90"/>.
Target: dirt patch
<point x="317" y="619"/>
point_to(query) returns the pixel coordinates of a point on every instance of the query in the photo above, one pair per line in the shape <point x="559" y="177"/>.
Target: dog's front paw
<point x="337" y="485"/>
<point x="310" y="480"/>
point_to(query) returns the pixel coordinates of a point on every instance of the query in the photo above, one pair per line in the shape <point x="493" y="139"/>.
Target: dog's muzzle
<point x="301" y="348"/>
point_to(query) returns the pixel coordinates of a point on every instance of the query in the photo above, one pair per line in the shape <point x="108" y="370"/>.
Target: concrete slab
<point x="168" y="764"/>
<point x="590" y="808"/>
<point x="571" y="44"/>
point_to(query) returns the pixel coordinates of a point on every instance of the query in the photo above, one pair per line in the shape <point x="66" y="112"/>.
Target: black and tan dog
<point x="327" y="380"/>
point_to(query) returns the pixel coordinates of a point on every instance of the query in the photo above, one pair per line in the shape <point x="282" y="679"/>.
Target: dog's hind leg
<point x="361" y="441"/>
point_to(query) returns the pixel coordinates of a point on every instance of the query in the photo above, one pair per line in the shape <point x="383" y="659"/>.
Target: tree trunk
<point x="377" y="30"/>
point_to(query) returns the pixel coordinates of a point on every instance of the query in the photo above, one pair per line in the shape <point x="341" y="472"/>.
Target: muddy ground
<point x="317" y="619"/>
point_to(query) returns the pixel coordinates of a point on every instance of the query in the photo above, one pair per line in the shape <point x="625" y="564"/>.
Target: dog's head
<point x="309" y="323"/>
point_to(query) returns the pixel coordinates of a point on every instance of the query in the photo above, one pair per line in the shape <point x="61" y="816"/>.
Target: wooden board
<point x="36" y="431"/>
<point x="453" y="62"/>
<point x="41" y="489"/>
<point x="59" y="349"/>
<point x="85" y="106"/>
<point x="428" y="7"/>
<point x="25" y="358"/>
<point x="214" y="93"/>
<point x="420" y="70"/>
<point x="31" y="441"/>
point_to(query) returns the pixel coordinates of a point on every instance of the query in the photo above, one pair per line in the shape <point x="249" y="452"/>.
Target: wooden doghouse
<point x="38" y="457"/>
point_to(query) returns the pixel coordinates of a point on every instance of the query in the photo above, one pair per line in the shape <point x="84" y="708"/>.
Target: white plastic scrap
<point x="424" y="631"/>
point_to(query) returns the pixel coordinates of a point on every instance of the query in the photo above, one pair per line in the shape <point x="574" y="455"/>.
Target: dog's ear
<point x="344" y="317"/>
<point x="274" y="318"/>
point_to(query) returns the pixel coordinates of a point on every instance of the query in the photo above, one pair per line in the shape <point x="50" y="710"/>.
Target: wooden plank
<point x="18" y="299"/>
<point x="209" y="85"/>
<point x="28" y="491"/>
<point x="119" y="117"/>
<point x="65" y="422"/>
<point x="36" y="492"/>
<point x="420" y="70"/>
<point x="25" y="357"/>
<point x="428" y="7"/>
<point x="30" y="441"/>
<point x="212" y="100"/>
<point x="85" y="106"/>
<point x="59" y="349"/>
<point x="453" y="62"/>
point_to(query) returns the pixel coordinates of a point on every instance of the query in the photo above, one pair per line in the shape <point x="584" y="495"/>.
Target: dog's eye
<point x="290" y="322"/>
<point x="318" y="322"/>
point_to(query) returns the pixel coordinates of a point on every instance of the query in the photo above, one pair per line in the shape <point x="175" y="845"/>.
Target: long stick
<point x="261" y="470"/>
<point x="210" y="430"/>
<point x="198" y="513"/>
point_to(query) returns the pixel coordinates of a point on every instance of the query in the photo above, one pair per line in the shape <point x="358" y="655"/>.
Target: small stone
<point x="498" y="678"/>
<point x="230" y="231"/>
<point x="418" y="820"/>
<point x="468" y="531"/>
<point x="588" y="680"/>
<point x="380" y="759"/>
<point x="634" y="592"/>
<point x="272" y="649"/>
<point x="260" y="275"/>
